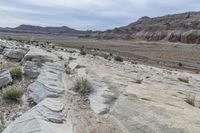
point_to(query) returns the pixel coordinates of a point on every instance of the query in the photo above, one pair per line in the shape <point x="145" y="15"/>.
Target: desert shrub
<point x="118" y="58"/>
<point x="49" y="51"/>
<point x="61" y="57"/>
<point x="82" y="86"/>
<point x="185" y="80"/>
<point x="70" y="58"/>
<point x="190" y="99"/>
<point x="133" y="62"/>
<point x="1" y="128"/>
<point x="16" y="72"/>
<point x="2" y="124"/>
<point x="13" y="94"/>
<point x="67" y="70"/>
<point x="82" y="50"/>
<point x="106" y="56"/>
<point x="180" y="64"/>
<point x="139" y="81"/>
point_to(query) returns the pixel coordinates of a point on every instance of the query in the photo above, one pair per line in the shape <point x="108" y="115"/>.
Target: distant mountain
<point x="183" y="27"/>
<point x="64" y="30"/>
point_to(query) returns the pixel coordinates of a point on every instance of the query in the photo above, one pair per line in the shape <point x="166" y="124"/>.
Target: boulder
<point x="40" y="56"/>
<point x="14" y="54"/>
<point x="46" y="117"/>
<point x="31" y="70"/>
<point x="5" y="78"/>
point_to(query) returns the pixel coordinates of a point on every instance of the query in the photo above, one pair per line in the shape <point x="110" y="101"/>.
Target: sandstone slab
<point x="46" y="117"/>
<point x="50" y="82"/>
<point x="40" y="56"/>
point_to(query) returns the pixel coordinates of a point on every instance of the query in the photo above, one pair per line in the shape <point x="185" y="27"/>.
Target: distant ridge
<point x="184" y="27"/>
<point x="64" y="30"/>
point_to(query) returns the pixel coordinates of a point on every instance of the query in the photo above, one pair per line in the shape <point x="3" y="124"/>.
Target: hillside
<point x="64" y="30"/>
<point x="183" y="27"/>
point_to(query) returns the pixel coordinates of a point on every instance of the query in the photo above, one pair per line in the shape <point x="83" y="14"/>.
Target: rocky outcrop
<point x="50" y="114"/>
<point x="5" y="78"/>
<point x="31" y="70"/>
<point x="50" y="82"/>
<point x="40" y="56"/>
<point x="14" y="54"/>
<point x="47" y="117"/>
<point x="174" y="28"/>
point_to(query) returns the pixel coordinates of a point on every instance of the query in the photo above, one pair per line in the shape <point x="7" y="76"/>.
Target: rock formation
<point x="174" y="28"/>
<point x="117" y="102"/>
<point x="5" y="78"/>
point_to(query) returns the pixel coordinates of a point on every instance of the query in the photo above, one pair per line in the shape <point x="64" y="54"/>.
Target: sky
<point x="87" y="14"/>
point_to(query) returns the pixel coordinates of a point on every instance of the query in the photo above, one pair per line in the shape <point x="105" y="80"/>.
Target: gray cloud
<point x="88" y="14"/>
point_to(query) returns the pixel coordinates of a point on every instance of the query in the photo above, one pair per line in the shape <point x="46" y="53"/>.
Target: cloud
<point x="89" y="14"/>
<point x="19" y="10"/>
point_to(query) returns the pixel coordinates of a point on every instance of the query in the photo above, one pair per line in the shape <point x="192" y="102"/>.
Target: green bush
<point x="118" y="58"/>
<point x="12" y="94"/>
<point x="82" y="86"/>
<point x="16" y="72"/>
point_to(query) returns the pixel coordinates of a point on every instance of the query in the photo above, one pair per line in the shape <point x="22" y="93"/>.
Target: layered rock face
<point x="46" y="117"/>
<point x="174" y="28"/>
<point x="5" y="78"/>
<point x="49" y="115"/>
<point x="14" y="54"/>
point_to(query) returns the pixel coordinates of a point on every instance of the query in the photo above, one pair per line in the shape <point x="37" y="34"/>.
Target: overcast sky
<point x="87" y="14"/>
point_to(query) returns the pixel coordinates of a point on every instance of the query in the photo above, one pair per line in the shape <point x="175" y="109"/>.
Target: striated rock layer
<point x="183" y="28"/>
<point x="49" y="115"/>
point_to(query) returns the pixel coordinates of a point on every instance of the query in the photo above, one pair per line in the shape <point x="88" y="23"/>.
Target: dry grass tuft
<point x="190" y="99"/>
<point x="82" y="86"/>
<point x="185" y="80"/>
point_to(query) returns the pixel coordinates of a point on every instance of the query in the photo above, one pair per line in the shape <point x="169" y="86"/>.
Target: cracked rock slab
<point x="46" y="117"/>
<point x="50" y="82"/>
